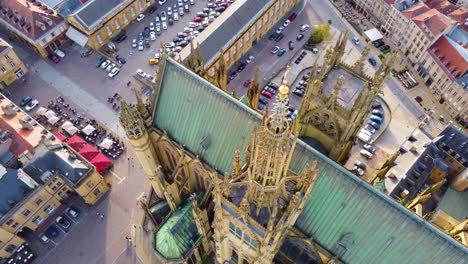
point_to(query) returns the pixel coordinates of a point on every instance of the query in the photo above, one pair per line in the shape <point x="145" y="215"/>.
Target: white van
<point x="60" y="53"/>
<point x="364" y="131"/>
<point x="366" y="154"/>
<point x="365" y="138"/>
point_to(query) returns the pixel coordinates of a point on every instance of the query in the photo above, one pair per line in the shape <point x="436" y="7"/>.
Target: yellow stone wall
<point x="93" y="188"/>
<point x="7" y="239"/>
<point x="113" y="24"/>
<point x="11" y="68"/>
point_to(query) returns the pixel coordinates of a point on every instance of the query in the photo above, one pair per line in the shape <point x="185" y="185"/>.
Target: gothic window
<point x="170" y="158"/>
<point x="199" y="178"/>
<point x="232" y="228"/>
<point x="238" y="233"/>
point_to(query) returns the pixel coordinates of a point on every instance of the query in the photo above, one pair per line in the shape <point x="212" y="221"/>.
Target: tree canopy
<point x="320" y="33"/>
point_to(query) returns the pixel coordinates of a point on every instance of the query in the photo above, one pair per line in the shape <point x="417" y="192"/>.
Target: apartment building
<point x="94" y="22"/>
<point x="12" y="68"/>
<point x="34" y="23"/>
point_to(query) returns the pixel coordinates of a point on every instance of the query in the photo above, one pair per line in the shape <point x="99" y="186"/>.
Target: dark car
<point x="273" y="85"/>
<point x="177" y="39"/>
<point x="303" y="53"/>
<point x="52" y="231"/>
<point x="120" y="38"/>
<point x="281" y="52"/>
<point x="377" y="112"/>
<point x="300" y="37"/>
<point x="378" y="43"/>
<point x="263" y="100"/>
<point x="140" y="35"/>
<point x="360" y="164"/>
<point x="54" y="58"/>
<point x="146" y="32"/>
<point x="100" y="61"/>
<point x="232" y="75"/>
<point x="291" y="45"/>
<point x="279" y="37"/>
<point x="272" y="36"/>
<point x="372" y="61"/>
<point x="369" y="148"/>
<point x="241" y="66"/>
<point x="120" y="59"/>
<point x="376" y="105"/>
<point x="261" y="107"/>
<point x="200" y="28"/>
<point x="374" y="124"/>
<point x="183" y="43"/>
<point x="152" y="9"/>
<point x="384" y="48"/>
<point x="147" y="43"/>
<point x="220" y="9"/>
<point x="26" y="100"/>
<point x="170" y="21"/>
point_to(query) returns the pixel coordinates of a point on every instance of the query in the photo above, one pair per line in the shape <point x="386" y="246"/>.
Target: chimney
<point x="24" y="177"/>
<point x="8" y="110"/>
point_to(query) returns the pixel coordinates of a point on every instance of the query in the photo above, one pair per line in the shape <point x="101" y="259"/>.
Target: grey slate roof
<point x="12" y="190"/>
<point x="89" y="13"/>
<point x="456" y="140"/>
<point x="379" y="229"/>
<point x="231" y="27"/>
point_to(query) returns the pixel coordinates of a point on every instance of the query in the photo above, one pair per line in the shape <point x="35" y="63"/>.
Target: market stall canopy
<point x="88" y="130"/>
<point x="49" y="114"/>
<point x="60" y="136"/>
<point x="373" y="34"/>
<point x="76" y="142"/>
<point x="101" y="162"/>
<point x="53" y="120"/>
<point x="72" y="130"/>
<point x="106" y="143"/>
<point x="66" y="125"/>
<point x="41" y="111"/>
<point x="88" y="152"/>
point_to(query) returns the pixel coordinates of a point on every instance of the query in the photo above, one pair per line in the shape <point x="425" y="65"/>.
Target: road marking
<point x="117" y="176"/>
<point x="140" y="196"/>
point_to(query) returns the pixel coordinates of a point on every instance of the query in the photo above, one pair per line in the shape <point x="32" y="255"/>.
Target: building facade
<point x="202" y="207"/>
<point x="34" y="24"/>
<point x="94" y="23"/>
<point x="12" y="68"/>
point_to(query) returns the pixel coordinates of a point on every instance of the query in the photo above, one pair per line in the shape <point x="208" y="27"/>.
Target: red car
<point x="197" y="19"/>
<point x="247" y="83"/>
<point x="418" y="99"/>
<point x="266" y="94"/>
<point x="292" y="17"/>
<point x="54" y="58"/>
<point x="224" y="4"/>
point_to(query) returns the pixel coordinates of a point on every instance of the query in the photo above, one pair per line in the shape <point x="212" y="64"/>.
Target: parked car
<point x="279" y="37"/>
<point x="152" y="9"/>
<point x="247" y="83"/>
<point x="140" y="17"/>
<point x="140" y="45"/>
<point x="358" y="171"/>
<point x="60" y="53"/>
<point x="44" y="238"/>
<point x="197" y="19"/>
<point x="192" y="2"/>
<point x="376" y="105"/>
<point x="223" y="4"/>
<point x="298" y="92"/>
<point x="100" y="61"/>
<point x="263" y="100"/>
<point x="279" y="30"/>
<point x="52" y="231"/>
<point x="372" y="61"/>
<point x="275" y="50"/>
<point x="281" y="52"/>
<point x="140" y="36"/>
<point x="384" y="48"/>
<point x="374" y="124"/>
<point x="300" y="37"/>
<point x="72" y="212"/>
<point x="110" y="67"/>
<point x="273" y="85"/>
<point x="146" y="32"/>
<point x="356" y="41"/>
<point x="170" y="20"/>
<point x="418" y="99"/>
<point x="134" y="43"/>
<point x="377" y="112"/>
<point x="32" y="105"/>
<point x="366" y="154"/>
<point x="291" y="45"/>
<point x="105" y="64"/>
<point x="162" y="2"/>
<point x="378" y="43"/>
<point x="369" y="148"/>
<point x="360" y="164"/>
<point x="377" y="119"/>
<point x="157" y="21"/>
<point x="175" y="16"/>
<point x="292" y="16"/>
<point x="266" y="94"/>
<point x="369" y="128"/>
<point x="120" y="59"/>
<point x="261" y="107"/>
<point x="120" y="38"/>
<point x="114" y="72"/>
<point x="141" y="73"/>
<point x="286" y="23"/>
<point x="304" y="27"/>
<point x="164" y="14"/>
<point x="249" y="59"/>
<point x="54" y="58"/>
<point x="153" y="35"/>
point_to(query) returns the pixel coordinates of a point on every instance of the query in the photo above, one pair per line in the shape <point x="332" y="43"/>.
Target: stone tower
<point x="257" y="204"/>
<point x="137" y="134"/>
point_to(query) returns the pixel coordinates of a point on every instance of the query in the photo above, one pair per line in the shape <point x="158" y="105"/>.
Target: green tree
<point x="320" y="33"/>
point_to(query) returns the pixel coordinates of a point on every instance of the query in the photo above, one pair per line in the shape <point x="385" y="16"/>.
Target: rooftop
<point x="12" y="189"/>
<point x="26" y="130"/>
<point x="58" y="158"/>
<point x="227" y="27"/>
<point x="461" y="16"/>
<point x="444" y="6"/>
<point x="29" y="18"/>
<point x="4" y="45"/>
<point x="405" y="160"/>
<point x="90" y="12"/>
<point x="432" y="20"/>
<point x="415" y="10"/>
<point x="455" y="204"/>
<point x="451" y="57"/>
<point x="54" y="4"/>
<point x="456" y="140"/>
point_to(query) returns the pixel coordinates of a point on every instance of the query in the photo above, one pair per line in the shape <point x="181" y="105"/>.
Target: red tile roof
<point x="30" y="17"/>
<point x="447" y="53"/>
<point x="444" y="6"/>
<point x="433" y="20"/>
<point x="461" y="16"/>
<point x="389" y="2"/>
<point x="416" y="10"/>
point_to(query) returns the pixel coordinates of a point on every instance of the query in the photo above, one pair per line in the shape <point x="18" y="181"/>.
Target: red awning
<point x="101" y="162"/>
<point x="76" y="143"/>
<point x="60" y="136"/>
<point x="88" y="152"/>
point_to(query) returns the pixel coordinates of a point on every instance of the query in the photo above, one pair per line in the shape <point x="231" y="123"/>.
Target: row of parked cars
<point x="302" y="85"/>
<point x="110" y="67"/>
<point x="63" y="222"/>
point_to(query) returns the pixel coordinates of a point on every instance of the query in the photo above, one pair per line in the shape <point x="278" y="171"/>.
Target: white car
<point x="153" y="35"/>
<point x="164" y="25"/>
<point x="356" y="41"/>
<point x="140" y="45"/>
<point x="192" y="2"/>
<point x="304" y="27"/>
<point x="60" y="53"/>
<point x="105" y="64"/>
<point x="72" y="212"/>
<point x="151" y="26"/>
<point x="275" y="50"/>
<point x="110" y="67"/>
<point x="175" y="16"/>
<point x="32" y="105"/>
<point x="44" y="238"/>
<point x="249" y="59"/>
<point x="157" y="55"/>
<point x="140" y="17"/>
<point x="141" y="73"/>
<point x="286" y="23"/>
<point x="279" y="30"/>
<point x="114" y="72"/>
<point x="162" y="2"/>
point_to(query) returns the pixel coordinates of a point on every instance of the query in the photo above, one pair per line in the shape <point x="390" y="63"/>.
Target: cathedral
<point x="229" y="185"/>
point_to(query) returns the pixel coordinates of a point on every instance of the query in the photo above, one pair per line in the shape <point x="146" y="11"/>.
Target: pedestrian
<point x="102" y="216"/>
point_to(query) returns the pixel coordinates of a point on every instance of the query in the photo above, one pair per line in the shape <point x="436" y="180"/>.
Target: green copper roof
<point x="455" y="204"/>
<point x="177" y="234"/>
<point x="345" y="215"/>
